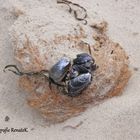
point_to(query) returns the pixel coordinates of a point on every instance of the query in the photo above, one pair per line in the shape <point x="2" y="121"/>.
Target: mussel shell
<point x="78" y="84"/>
<point x="74" y="72"/>
<point x="77" y="70"/>
<point x="83" y="58"/>
<point x="59" y="70"/>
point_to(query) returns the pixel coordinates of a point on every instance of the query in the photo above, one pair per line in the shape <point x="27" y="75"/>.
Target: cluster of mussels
<point x="76" y="76"/>
<point x="73" y="77"/>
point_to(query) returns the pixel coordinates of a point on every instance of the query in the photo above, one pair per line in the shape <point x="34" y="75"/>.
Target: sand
<point x="117" y="118"/>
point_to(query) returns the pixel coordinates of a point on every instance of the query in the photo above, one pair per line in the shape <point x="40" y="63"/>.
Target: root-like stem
<point x="69" y="4"/>
<point x="20" y="73"/>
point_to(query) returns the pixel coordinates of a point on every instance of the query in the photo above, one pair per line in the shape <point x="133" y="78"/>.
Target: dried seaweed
<point x="73" y="127"/>
<point x="19" y="73"/>
<point x="88" y="45"/>
<point x="69" y="4"/>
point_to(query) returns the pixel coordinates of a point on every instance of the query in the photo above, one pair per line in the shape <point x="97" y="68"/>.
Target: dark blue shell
<point x="78" y="84"/>
<point x="76" y="70"/>
<point x="59" y="70"/>
<point x="83" y="58"/>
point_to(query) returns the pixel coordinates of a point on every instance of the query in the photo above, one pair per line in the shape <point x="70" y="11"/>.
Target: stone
<point x="44" y="35"/>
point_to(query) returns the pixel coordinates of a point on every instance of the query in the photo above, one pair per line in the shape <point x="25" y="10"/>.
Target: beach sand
<point x="114" y="119"/>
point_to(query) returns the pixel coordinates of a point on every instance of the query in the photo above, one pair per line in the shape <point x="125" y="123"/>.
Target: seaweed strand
<point x="69" y="3"/>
